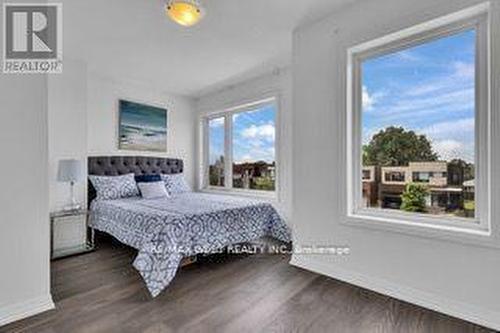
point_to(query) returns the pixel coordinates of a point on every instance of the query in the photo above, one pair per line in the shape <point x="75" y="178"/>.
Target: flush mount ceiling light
<point x="184" y="12"/>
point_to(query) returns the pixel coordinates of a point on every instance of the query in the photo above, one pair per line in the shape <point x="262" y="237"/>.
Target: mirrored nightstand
<point x="70" y="233"/>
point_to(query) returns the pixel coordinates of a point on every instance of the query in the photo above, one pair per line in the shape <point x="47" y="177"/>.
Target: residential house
<point x="390" y="183"/>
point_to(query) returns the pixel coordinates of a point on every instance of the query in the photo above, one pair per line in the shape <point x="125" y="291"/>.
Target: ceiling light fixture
<point x="184" y="12"/>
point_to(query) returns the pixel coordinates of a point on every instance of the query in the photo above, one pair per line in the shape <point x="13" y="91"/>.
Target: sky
<point x="253" y="136"/>
<point x="429" y="89"/>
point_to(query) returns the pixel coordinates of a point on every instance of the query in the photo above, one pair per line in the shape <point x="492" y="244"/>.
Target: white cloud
<point x="216" y="122"/>
<point x="245" y="158"/>
<point x="427" y="88"/>
<point x="455" y="129"/>
<point x="464" y="70"/>
<point x="412" y="107"/>
<point x="452" y="139"/>
<point x="368" y="100"/>
<point x="450" y="99"/>
<point x="451" y="149"/>
<point x="252" y="155"/>
<point x="461" y="75"/>
<point x="266" y="132"/>
<point x="255" y="143"/>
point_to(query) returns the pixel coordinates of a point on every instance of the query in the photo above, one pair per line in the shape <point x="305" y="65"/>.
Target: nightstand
<point x="70" y="233"/>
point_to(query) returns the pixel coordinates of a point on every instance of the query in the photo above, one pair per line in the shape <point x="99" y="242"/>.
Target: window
<point x="216" y="174"/>
<point x="418" y="114"/>
<point x="254" y="164"/>
<point x="394" y="176"/>
<point x="422" y="177"/>
<point x="242" y="148"/>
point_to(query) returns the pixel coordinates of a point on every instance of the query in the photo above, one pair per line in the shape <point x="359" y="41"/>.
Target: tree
<point x="395" y="146"/>
<point x="264" y="183"/>
<point x="459" y="171"/>
<point x="364" y="153"/>
<point x="413" y="198"/>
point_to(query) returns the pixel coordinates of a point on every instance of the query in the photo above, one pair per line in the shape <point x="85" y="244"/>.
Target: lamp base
<point x="74" y="205"/>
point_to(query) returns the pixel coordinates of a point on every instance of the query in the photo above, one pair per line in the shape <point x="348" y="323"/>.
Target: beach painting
<point x="142" y="127"/>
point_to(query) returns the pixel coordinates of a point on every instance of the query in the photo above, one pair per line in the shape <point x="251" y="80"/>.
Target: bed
<point x="166" y="230"/>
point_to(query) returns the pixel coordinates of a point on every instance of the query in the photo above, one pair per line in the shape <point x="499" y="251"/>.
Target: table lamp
<point x="71" y="171"/>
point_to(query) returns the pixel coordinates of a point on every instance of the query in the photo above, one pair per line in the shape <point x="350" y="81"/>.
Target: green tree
<point x="413" y="198"/>
<point x="364" y="152"/>
<point x="461" y="170"/>
<point x="264" y="183"/>
<point x="395" y="146"/>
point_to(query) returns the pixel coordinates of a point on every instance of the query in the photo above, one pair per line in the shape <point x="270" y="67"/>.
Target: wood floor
<point x="101" y="292"/>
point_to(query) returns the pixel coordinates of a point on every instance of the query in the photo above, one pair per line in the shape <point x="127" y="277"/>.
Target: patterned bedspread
<point x="166" y="230"/>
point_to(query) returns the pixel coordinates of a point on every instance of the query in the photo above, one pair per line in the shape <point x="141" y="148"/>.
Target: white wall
<point x="24" y="213"/>
<point x="276" y="84"/>
<point x="83" y="121"/>
<point x="103" y="94"/>
<point x="452" y="277"/>
<point x="67" y="96"/>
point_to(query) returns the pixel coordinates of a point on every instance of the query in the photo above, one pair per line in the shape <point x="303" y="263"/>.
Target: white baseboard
<point x="17" y="311"/>
<point x="465" y="311"/>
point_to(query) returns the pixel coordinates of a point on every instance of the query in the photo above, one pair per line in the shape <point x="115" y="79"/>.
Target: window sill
<point x="423" y="227"/>
<point x="268" y="196"/>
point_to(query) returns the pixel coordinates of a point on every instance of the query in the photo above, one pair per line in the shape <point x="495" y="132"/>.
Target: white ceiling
<point x="236" y="39"/>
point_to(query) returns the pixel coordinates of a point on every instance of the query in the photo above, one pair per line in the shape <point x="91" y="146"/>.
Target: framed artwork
<point x="142" y="127"/>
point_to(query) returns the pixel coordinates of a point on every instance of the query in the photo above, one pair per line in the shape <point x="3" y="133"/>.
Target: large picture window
<point x="242" y="148"/>
<point x="419" y="124"/>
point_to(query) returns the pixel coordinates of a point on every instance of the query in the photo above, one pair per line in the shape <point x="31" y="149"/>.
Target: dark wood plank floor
<point x="101" y="292"/>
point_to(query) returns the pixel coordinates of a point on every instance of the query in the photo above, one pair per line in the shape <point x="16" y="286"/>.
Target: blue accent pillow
<point x="148" y="178"/>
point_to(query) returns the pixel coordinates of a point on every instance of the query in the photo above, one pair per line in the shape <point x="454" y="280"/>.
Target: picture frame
<point x="142" y="127"/>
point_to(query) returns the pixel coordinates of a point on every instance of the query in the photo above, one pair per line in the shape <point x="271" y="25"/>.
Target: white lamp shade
<point x="70" y="171"/>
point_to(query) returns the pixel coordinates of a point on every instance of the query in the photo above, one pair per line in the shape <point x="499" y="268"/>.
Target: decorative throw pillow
<point x="148" y="178"/>
<point x="176" y="183"/>
<point x="114" y="187"/>
<point x="153" y="190"/>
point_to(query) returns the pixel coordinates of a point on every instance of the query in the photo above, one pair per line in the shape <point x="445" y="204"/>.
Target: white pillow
<point x="114" y="187"/>
<point x="176" y="183"/>
<point x="153" y="190"/>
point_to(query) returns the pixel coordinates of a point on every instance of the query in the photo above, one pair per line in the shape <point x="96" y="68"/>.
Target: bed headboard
<point x="138" y="165"/>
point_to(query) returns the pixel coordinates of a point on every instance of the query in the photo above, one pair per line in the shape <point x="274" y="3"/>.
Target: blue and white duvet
<point x="167" y="229"/>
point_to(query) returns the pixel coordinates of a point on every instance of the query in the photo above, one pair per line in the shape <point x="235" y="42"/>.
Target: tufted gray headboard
<point x="138" y="165"/>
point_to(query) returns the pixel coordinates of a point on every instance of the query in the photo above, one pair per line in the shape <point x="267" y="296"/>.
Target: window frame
<point x="477" y="18"/>
<point x="228" y="114"/>
<point x="206" y="143"/>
